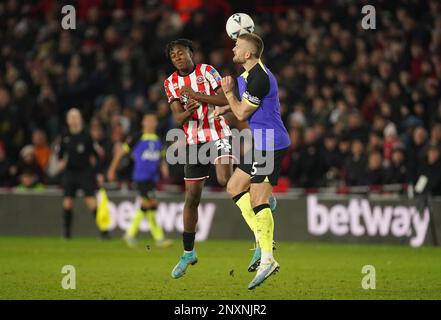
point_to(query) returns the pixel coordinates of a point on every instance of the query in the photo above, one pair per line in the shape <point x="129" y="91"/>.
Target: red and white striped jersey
<point x="203" y="126"/>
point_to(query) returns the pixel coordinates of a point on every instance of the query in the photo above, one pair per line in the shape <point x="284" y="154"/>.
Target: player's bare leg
<point x="67" y="216"/>
<point x="224" y="170"/>
<point x="260" y="194"/>
<point x="90" y="202"/>
<point x="193" y="191"/>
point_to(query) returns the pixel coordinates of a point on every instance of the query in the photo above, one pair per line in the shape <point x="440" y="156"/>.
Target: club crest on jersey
<point x="175" y="86"/>
<point x="200" y="79"/>
<point x="80" y="148"/>
<point x="215" y="74"/>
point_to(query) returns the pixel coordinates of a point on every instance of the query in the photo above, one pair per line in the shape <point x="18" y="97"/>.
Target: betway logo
<point x="168" y="216"/>
<point x="358" y="218"/>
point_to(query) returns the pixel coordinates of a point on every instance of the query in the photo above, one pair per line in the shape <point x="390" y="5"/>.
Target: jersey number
<point x="253" y="168"/>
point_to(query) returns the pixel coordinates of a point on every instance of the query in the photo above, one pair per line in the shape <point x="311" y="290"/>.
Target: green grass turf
<point x="30" y="268"/>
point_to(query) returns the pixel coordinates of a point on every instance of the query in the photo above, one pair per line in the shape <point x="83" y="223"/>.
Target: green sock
<point x="265" y="231"/>
<point x="136" y="221"/>
<point x="155" y="229"/>
<point x="244" y="204"/>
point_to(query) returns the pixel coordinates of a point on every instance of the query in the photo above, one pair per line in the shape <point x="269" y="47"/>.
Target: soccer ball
<point x="239" y="23"/>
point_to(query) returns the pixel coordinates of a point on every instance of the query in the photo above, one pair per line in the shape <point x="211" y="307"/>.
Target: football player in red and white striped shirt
<point x="201" y="127"/>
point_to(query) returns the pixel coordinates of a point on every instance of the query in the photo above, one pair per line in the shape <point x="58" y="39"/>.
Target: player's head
<point x="180" y="52"/>
<point x="249" y="46"/>
<point x="149" y="122"/>
<point x="74" y="120"/>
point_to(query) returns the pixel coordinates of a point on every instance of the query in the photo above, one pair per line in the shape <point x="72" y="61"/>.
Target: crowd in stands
<point x="362" y="106"/>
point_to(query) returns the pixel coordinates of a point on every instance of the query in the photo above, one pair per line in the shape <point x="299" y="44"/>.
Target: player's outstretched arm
<point x="218" y="99"/>
<point x="165" y="171"/>
<point x="182" y="115"/>
<point x="111" y="173"/>
<point x="241" y="109"/>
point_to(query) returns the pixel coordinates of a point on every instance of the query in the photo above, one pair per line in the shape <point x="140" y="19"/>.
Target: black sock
<point x="94" y="211"/>
<point x="260" y="207"/>
<point x="144" y="210"/>
<point x="67" y="222"/>
<point x="105" y="235"/>
<point x="238" y="196"/>
<point x="188" y="238"/>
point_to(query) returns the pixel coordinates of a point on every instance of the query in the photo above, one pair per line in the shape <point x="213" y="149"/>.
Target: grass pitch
<point x="30" y="268"/>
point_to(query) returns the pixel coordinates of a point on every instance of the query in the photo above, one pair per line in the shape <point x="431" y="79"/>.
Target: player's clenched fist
<point x="192" y="105"/>
<point x="218" y="111"/>
<point x="227" y="84"/>
<point x="188" y="91"/>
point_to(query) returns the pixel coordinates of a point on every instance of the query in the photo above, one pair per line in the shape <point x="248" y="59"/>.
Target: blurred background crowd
<point x="362" y="106"/>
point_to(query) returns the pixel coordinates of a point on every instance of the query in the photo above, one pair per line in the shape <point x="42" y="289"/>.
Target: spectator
<point x="415" y="151"/>
<point x="11" y="131"/>
<point x="46" y="115"/>
<point x="308" y="169"/>
<point x="356" y="164"/>
<point x="332" y="158"/>
<point x="164" y="119"/>
<point x="24" y="102"/>
<point x="293" y="150"/>
<point x="397" y="171"/>
<point x="27" y="165"/>
<point x="344" y="150"/>
<point x="29" y="182"/>
<point x="374" y="174"/>
<point x="435" y="134"/>
<point x="41" y="148"/>
<point x="5" y="167"/>
<point x="390" y="140"/>
<point x="375" y="141"/>
<point x="356" y="127"/>
<point x="431" y="168"/>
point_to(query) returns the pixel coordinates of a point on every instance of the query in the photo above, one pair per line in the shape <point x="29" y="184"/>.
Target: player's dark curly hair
<point x="179" y="42"/>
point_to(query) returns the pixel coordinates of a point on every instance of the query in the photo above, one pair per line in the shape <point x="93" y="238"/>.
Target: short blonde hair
<point x="256" y="41"/>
